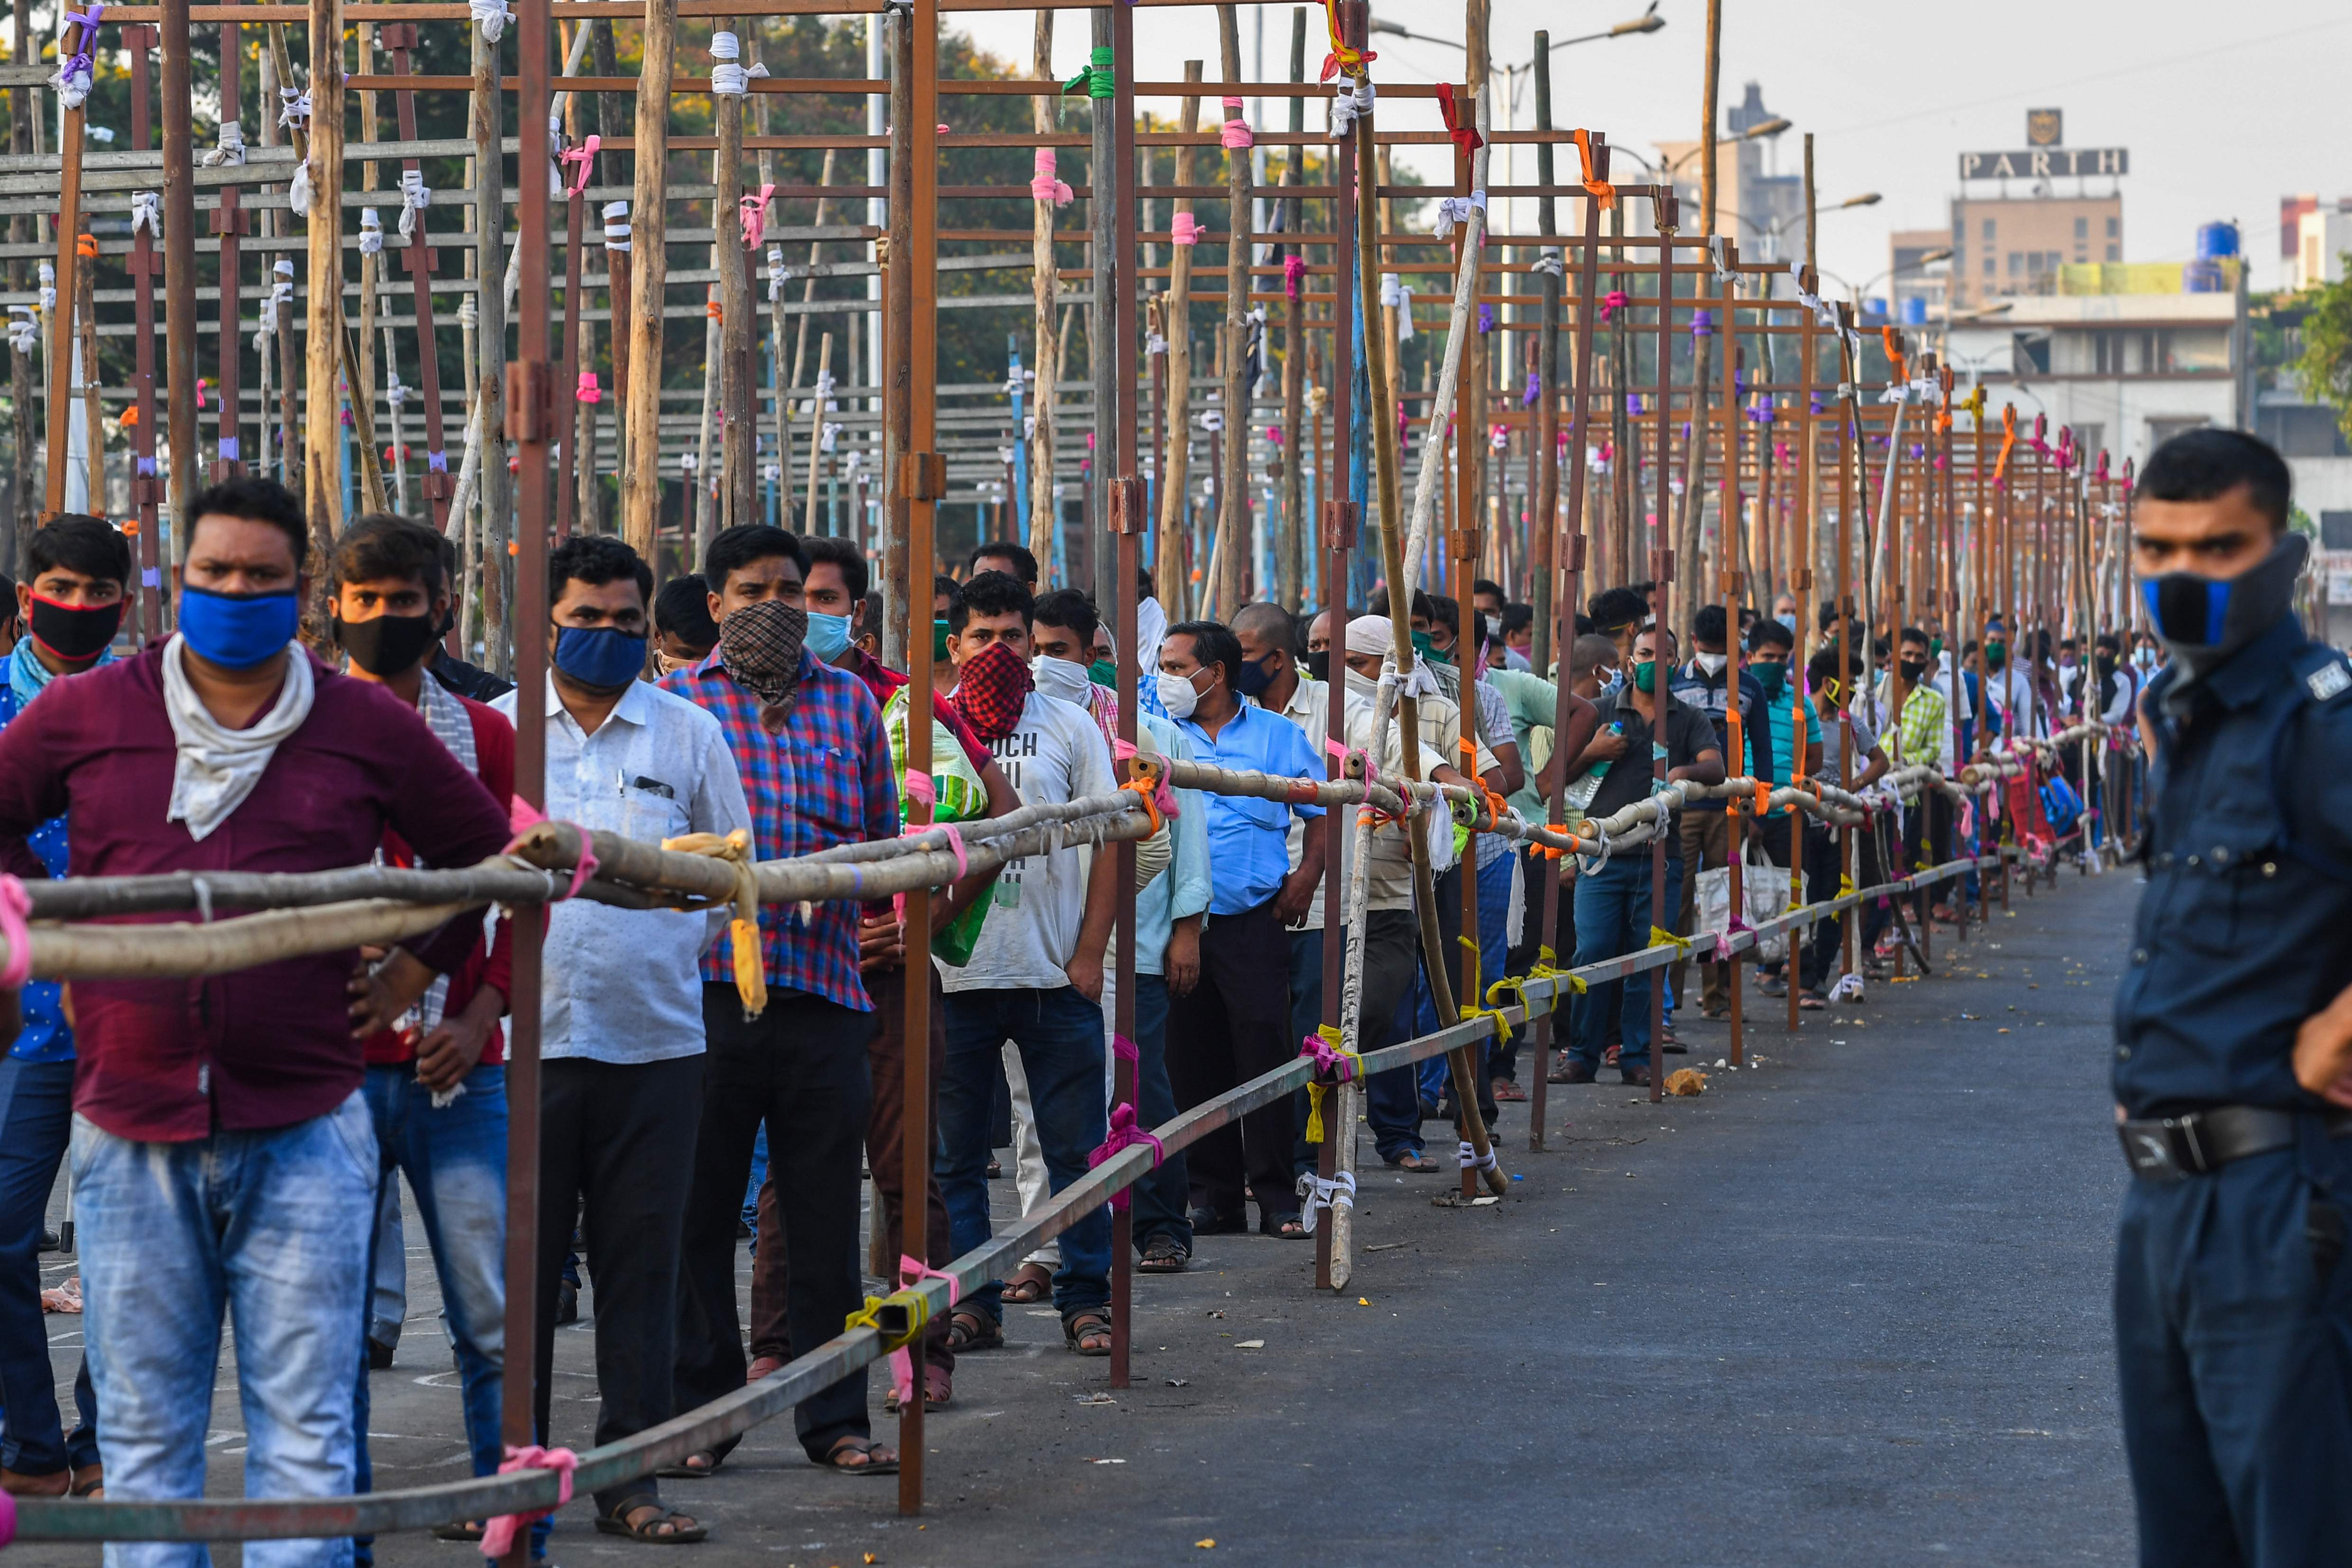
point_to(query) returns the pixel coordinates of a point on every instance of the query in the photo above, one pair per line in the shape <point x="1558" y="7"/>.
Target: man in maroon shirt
<point x="223" y="1154"/>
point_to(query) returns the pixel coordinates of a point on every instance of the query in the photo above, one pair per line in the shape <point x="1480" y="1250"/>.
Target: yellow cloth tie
<point x="1316" y="1091"/>
<point x="1469" y="941"/>
<point x="1661" y="937"/>
<point x="1543" y="969"/>
<point x="744" y="931"/>
<point x="1502" y="1025"/>
<point x="918" y="1313"/>
<point x="1845" y="886"/>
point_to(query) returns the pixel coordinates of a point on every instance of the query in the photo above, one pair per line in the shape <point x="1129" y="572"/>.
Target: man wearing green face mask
<point x="1614" y="912"/>
<point x="2015" y="709"/>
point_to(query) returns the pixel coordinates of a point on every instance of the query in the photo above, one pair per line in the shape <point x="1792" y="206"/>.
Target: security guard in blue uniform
<point x="2234" y="1038"/>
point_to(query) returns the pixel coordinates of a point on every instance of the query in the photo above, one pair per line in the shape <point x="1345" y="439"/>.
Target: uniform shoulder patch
<point x="2328" y="680"/>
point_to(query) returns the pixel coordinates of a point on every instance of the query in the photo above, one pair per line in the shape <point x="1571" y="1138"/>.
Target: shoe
<point x="1774" y="986"/>
<point x="1638" y="1077"/>
<point x="1573" y="1072"/>
<point x="996" y="1170"/>
<point x="1209" y="1222"/>
<point x="1673" y="1047"/>
<point x="567" y="1302"/>
<point x="742" y="1231"/>
<point x="50" y="1241"/>
<point x="379" y="1355"/>
<point x="1560" y="1067"/>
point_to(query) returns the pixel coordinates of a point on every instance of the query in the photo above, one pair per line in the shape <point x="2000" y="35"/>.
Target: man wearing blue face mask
<point x="2232" y="1069"/>
<point x="222" y="1153"/>
<point x="622" y="1044"/>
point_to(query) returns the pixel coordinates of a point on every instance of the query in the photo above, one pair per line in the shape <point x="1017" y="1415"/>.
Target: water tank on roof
<point x="1914" y="314"/>
<point x="2217" y="241"/>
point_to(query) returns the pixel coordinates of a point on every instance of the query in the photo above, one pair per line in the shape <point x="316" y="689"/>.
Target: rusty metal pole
<point x="144" y="264"/>
<point x="71" y="138"/>
<point x="1115" y="449"/>
<point x="922" y="481"/>
<point x="530" y="412"/>
<point x="1662" y="569"/>
<point x="1728" y="533"/>
<point x="231" y="222"/>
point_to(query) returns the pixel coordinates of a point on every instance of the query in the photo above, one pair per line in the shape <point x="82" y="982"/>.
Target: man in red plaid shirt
<point x="815" y="763"/>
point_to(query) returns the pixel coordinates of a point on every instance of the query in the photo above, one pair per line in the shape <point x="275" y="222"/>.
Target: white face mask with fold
<point x="1711" y="663"/>
<point x="1061" y="678"/>
<point x="1177" y="694"/>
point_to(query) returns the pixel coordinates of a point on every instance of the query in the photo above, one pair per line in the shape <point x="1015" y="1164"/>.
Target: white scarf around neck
<point x="214" y="767"/>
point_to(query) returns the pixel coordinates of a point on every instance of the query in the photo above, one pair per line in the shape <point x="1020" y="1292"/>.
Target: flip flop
<point x="874" y="1465"/>
<point x="649" y="1529"/>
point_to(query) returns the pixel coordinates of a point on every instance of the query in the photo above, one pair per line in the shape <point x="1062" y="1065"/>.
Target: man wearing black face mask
<point x="2232" y="1069"/>
<point x="75" y="571"/>
<point x="437" y="1088"/>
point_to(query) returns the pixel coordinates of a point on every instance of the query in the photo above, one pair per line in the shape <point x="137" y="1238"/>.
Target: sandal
<point x="458" y="1530"/>
<point x="1559" y="1070"/>
<point x="1164" y="1255"/>
<point x="973" y="1329"/>
<point x="1506" y="1092"/>
<point x="686" y="1469"/>
<point x="1288" y="1226"/>
<point x="1209" y="1222"/>
<point x="873" y="1459"/>
<point x="1034" y="1282"/>
<point x="89" y="1482"/>
<point x="1417" y="1164"/>
<point x="1811" y="1001"/>
<point x="761" y="1367"/>
<point x="1087" y="1330"/>
<point x="938" y="1391"/>
<point x="660" y="1526"/>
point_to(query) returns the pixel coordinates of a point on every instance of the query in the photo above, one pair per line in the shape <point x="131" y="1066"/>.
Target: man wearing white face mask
<point x="1061" y="639"/>
<point x="1705" y="824"/>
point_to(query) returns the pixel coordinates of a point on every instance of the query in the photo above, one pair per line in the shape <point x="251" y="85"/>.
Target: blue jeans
<point x="1159" y="1197"/>
<point x="1059" y="1035"/>
<point x="272" y="1225"/>
<point x="455" y="1159"/>
<point x="35" y="1110"/>
<point x="1612" y="919"/>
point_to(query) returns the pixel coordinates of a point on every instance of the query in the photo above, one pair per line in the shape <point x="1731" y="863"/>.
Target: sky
<point x="2224" y="109"/>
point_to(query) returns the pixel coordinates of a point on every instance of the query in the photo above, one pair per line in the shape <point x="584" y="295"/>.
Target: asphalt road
<point x="1847" y="1307"/>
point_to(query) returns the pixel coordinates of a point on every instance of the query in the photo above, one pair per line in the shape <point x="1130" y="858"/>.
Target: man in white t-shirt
<point x="1035" y="975"/>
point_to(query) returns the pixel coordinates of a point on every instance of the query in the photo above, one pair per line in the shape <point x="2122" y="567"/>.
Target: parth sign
<point x="2045" y="163"/>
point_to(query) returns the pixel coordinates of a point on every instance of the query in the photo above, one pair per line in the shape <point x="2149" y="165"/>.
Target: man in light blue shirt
<point x="1235" y="1022"/>
<point x="621" y="1025"/>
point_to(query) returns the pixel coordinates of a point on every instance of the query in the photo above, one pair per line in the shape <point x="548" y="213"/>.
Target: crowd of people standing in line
<point x="234" y="1139"/>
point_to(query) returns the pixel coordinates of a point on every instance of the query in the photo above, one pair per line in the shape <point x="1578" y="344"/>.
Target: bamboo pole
<point x="323" y="490"/>
<point x="740" y="467"/>
<point x="648" y="272"/>
<point x="1232" y="550"/>
<point x="485" y="443"/>
<point x="1297" y="536"/>
<point x="1168" y="572"/>
<point x="76" y="36"/>
<point x="1045" y="284"/>
<point x="816" y="425"/>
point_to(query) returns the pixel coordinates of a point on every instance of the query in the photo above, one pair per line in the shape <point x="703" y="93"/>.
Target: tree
<point x="2324" y="368"/>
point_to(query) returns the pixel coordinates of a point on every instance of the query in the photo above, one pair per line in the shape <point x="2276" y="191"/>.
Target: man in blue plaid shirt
<point x="815" y="763"/>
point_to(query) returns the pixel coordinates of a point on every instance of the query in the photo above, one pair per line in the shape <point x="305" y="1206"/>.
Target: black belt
<point x="2202" y="1142"/>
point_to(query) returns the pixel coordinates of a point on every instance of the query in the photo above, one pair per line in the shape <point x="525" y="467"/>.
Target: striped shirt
<point x="825" y="781"/>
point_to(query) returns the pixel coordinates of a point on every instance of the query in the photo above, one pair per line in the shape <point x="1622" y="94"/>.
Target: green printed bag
<point x="961" y="798"/>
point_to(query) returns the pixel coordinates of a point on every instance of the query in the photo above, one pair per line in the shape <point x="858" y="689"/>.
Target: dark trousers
<point x="620" y="1136"/>
<point x="1823" y="951"/>
<point x="1391" y="1098"/>
<point x="1704" y="840"/>
<point x="1306" y="1016"/>
<point x="36" y="1119"/>
<point x="2233" y="1339"/>
<point x="1161" y="1198"/>
<point x="1232" y="1027"/>
<point x="799" y="1067"/>
<point x="885" y="1066"/>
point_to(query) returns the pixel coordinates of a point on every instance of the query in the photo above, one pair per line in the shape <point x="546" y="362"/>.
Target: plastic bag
<point x="961" y="798"/>
<point x="1763" y="887"/>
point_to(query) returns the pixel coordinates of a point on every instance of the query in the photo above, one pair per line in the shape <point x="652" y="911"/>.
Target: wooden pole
<point x="1169" y="573"/>
<point x="648" y="273"/>
<point x="1045" y="285"/>
<point x="76" y="36"/>
<point x="816" y="425"/>
<point x="323" y="432"/>
<point x="1297" y="536"/>
<point x="180" y="271"/>
<point x="1232" y="551"/>
<point x="739" y="466"/>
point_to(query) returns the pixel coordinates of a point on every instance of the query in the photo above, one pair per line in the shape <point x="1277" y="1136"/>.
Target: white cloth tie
<point x="214" y="768"/>
<point x="228" y="147"/>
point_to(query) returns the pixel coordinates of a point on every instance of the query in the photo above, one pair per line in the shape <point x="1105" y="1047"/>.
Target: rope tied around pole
<point x="583" y="160"/>
<point x="729" y="79"/>
<point x="72" y="78"/>
<point x="751" y="214"/>
<point x="1335" y="1064"/>
<point x="1236" y="135"/>
<point x="1094" y="78"/>
<point x="1352" y="102"/>
<point x="1125" y="1135"/>
<point x="1452" y="210"/>
<point x="1472" y="1160"/>
<point x="1294" y="273"/>
<point x="228" y="147"/>
<point x="1043" y="184"/>
<point x="1183" y="228"/>
<point x="1317" y="1193"/>
<point x="492" y="16"/>
<point x="1342" y="58"/>
<point x="1466" y="136"/>
<point x="371" y="233"/>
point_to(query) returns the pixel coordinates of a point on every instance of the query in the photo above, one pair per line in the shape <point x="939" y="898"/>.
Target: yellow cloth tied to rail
<point x="1543" y="968"/>
<point x="1845" y="886"/>
<point x="751" y="965"/>
<point x="1661" y="937"/>
<point x="1329" y="1046"/>
<point x="918" y="1313"/>
<point x="1502" y="1025"/>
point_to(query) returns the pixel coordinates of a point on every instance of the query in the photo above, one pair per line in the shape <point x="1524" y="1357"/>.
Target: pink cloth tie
<point x="498" y="1533"/>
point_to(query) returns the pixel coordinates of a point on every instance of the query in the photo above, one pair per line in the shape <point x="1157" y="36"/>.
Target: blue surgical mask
<point x="237" y="631"/>
<point x="604" y="657"/>
<point x="827" y="637"/>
